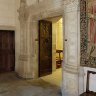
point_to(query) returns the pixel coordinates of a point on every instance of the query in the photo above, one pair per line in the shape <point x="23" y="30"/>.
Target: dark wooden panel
<point x="45" y="48"/>
<point x="7" y="51"/>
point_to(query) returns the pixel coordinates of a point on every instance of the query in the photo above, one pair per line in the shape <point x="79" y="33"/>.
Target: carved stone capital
<point x="23" y="13"/>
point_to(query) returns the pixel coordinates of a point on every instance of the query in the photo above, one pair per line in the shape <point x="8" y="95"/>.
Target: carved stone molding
<point x="71" y="69"/>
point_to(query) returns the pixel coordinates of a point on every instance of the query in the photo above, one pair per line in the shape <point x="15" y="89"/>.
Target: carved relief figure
<point x="22" y="11"/>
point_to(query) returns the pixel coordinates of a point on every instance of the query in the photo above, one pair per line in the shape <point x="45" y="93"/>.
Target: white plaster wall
<point x="53" y="45"/>
<point x="7" y="12"/>
<point x="92" y="79"/>
<point x="59" y="35"/>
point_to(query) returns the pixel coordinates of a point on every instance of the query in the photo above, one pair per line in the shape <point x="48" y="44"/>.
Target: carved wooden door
<point x="45" y="48"/>
<point x="7" y="52"/>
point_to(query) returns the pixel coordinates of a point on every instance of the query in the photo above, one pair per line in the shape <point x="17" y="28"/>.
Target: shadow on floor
<point x="11" y="85"/>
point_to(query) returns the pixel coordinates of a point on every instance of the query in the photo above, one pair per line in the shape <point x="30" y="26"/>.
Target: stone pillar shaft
<point x="23" y="56"/>
<point x="71" y="54"/>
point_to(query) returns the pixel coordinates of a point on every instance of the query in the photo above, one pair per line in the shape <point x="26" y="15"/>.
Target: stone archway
<point x="28" y="59"/>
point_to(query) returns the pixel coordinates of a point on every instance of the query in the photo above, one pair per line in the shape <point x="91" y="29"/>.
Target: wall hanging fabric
<point x="88" y="32"/>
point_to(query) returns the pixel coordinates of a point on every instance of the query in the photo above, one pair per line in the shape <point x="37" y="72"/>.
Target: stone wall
<point x="9" y="21"/>
<point x="7" y="13"/>
<point x="30" y="15"/>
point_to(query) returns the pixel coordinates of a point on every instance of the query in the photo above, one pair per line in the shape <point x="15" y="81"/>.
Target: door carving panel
<point x="45" y="47"/>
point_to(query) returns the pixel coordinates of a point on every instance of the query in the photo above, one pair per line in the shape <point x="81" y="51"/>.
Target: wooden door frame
<point x="33" y="20"/>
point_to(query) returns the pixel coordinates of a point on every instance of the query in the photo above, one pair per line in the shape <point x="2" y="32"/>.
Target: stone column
<point x="34" y="46"/>
<point x="70" y="86"/>
<point x="23" y="56"/>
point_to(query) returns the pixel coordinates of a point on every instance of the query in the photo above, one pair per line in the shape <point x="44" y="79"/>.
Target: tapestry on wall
<point x="88" y="32"/>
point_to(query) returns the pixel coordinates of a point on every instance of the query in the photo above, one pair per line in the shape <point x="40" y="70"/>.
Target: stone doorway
<point x="57" y="45"/>
<point x="69" y="9"/>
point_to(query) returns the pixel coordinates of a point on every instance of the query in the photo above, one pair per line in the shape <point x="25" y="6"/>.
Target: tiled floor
<point x="10" y="85"/>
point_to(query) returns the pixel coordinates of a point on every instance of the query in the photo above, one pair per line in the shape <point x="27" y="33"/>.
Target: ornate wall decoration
<point x="88" y="32"/>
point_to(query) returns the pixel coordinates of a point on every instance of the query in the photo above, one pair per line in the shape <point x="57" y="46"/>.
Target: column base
<point x="70" y="86"/>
